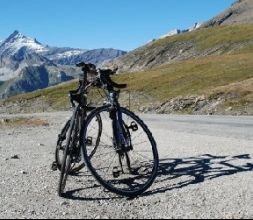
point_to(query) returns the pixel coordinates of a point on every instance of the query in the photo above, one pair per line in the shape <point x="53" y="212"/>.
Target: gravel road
<point x="206" y="171"/>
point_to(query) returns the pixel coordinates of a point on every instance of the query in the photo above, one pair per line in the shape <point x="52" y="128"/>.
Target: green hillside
<point x="198" y="76"/>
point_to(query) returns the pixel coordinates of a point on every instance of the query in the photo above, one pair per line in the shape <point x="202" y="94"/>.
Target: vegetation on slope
<point x="212" y="37"/>
<point x="199" y="43"/>
<point x="210" y="76"/>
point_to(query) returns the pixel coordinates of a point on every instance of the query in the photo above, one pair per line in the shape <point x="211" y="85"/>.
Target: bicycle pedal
<point x="54" y="166"/>
<point x="89" y="141"/>
<point x="133" y="126"/>
<point x="116" y="172"/>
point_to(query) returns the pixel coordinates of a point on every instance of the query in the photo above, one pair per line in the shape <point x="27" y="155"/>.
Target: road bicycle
<point x="123" y="155"/>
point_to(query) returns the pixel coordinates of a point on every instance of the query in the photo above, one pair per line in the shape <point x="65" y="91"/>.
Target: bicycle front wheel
<point x="129" y="172"/>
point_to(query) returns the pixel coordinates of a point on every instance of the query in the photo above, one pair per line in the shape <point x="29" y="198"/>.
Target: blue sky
<point x="90" y="24"/>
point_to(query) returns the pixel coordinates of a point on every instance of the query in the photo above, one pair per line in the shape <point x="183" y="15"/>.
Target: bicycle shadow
<point x="196" y="170"/>
<point x="177" y="173"/>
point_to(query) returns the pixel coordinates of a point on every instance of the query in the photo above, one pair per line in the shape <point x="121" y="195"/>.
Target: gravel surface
<point x="206" y="171"/>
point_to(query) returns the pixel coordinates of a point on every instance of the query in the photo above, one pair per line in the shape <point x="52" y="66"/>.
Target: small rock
<point x="40" y="145"/>
<point x="23" y="172"/>
<point x="16" y="157"/>
<point x="229" y="109"/>
<point x="64" y="203"/>
<point x="4" y="120"/>
<point x="33" y="212"/>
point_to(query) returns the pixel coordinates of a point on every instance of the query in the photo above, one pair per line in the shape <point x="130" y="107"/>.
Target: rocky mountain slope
<point x="24" y="60"/>
<point x="241" y="12"/>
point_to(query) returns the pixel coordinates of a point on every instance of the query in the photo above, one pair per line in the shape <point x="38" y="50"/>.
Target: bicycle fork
<point x="121" y="142"/>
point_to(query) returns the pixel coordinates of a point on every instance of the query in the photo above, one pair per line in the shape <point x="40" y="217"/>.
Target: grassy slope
<point x="191" y="77"/>
<point x="217" y="40"/>
<point x="212" y="37"/>
<point x="210" y="75"/>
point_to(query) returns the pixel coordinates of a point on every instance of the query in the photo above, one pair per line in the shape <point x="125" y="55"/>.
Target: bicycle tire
<point x="95" y="172"/>
<point x="66" y="162"/>
<point x="59" y="147"/>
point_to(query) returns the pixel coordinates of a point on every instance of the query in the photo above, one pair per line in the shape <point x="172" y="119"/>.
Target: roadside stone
<point x="15" y="157"/>
<point x="4" y="120"/>
<point x="64" y="203"/>
<point x="229" y="109"/>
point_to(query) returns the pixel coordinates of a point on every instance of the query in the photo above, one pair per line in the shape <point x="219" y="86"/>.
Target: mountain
<point x="17" y="40"/>
<point x="191" y="45"/>
<point x="24" y="59"/>
<point x="205" y="40"/>
<point x="241" y="12"/>
<point x="17" y="52"/>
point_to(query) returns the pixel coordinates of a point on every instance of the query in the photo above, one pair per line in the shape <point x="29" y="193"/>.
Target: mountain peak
<point x="15" y="36"/>
<point x="17" y="41"/>
<point x="16" y="32"/>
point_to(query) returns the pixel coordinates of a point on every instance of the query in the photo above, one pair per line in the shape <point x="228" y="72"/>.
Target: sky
<point x="91" y="24"/>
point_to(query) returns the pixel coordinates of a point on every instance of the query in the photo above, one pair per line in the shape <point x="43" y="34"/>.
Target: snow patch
<point x="69" y="54"/>
<point x="178" y="31"/>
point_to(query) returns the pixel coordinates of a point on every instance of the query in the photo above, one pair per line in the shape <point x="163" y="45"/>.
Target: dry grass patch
<point x="22" y="121"/>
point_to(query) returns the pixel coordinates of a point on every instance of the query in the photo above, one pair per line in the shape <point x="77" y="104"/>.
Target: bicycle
<point x="125" y="161"/>
<point x="68" y="151"/>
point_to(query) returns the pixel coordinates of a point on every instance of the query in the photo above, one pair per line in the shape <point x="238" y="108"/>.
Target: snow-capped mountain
<point x="22" y="58"/>
<point x="16" y="41"/>
<point x="17" y="52"/>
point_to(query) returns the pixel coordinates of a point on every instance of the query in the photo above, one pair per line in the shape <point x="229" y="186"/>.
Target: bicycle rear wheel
<point x="77" y="163"/>
<point x="130" y="172"/>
